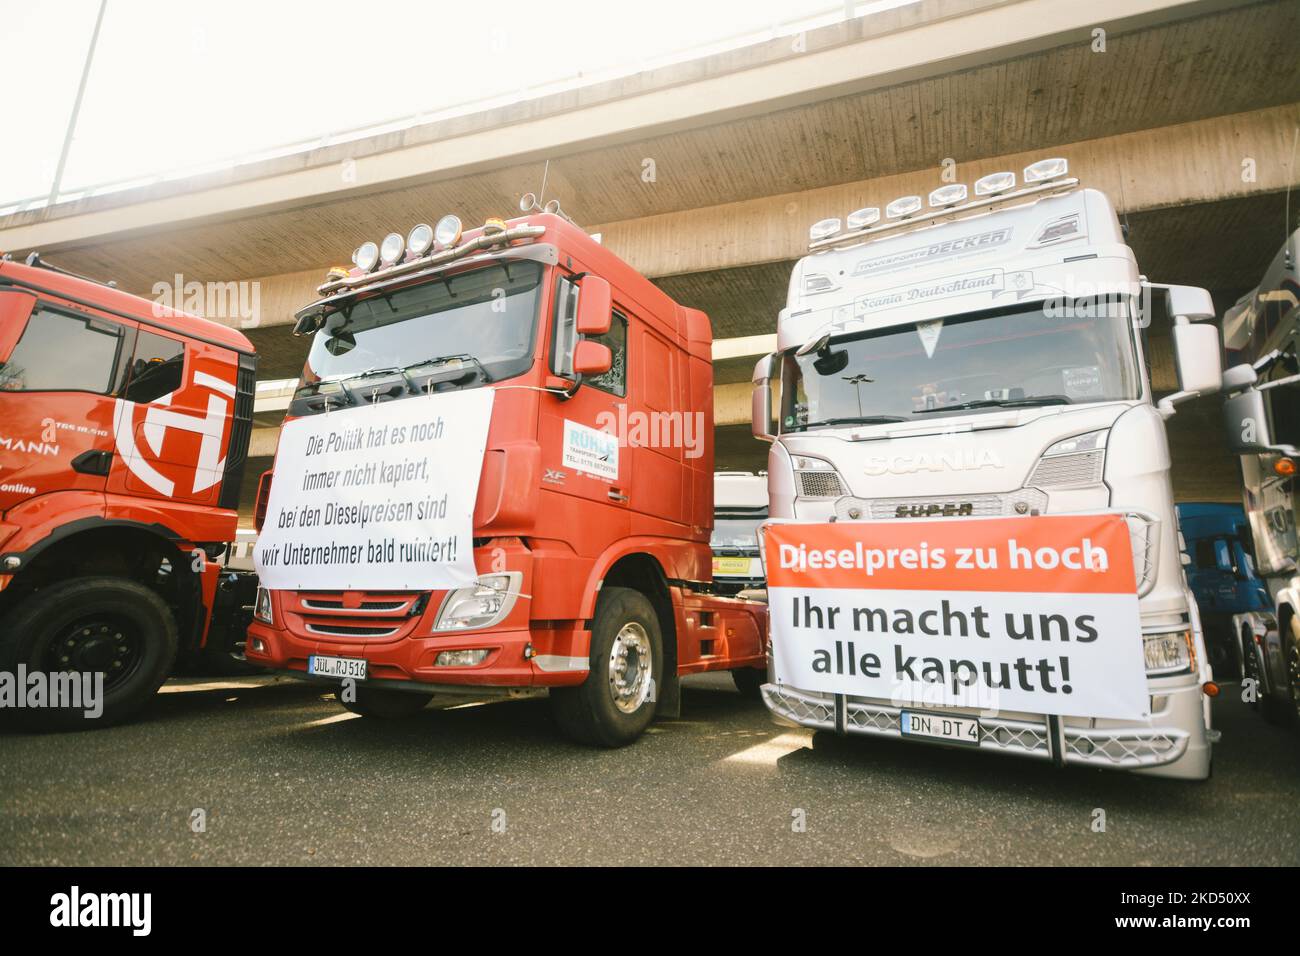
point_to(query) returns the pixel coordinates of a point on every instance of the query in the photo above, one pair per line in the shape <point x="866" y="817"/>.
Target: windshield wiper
<point x="444" y="359"/>
<point x="855" y="420"/>
<point x="1031" y="402"/>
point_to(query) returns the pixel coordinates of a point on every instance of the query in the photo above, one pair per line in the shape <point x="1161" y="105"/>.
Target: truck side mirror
<point x="1245" y="419"/>
<point x="592" y="358"/>
<point x="761" y="399"/>
<point x="1197" y="351"/>
<point x="595" y="304"/>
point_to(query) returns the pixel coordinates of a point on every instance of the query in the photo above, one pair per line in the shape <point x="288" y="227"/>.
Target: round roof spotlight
<point x="420" y="239"/>
<point x="391" y="249"/>
<point x="823" y="229"/>
<point x="862" y="218"/>
<point x="447" y="231"/>
<point x="949" y="195"/>
<point x="994" y="183"/>
<point x="903" y="206"/>
<point x="366" y="257"/>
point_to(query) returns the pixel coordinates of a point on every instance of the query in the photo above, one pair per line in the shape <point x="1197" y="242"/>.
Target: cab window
<point x="60" y="352"/>
<point x="157" y="368"/>
<point x="566" y="338"/>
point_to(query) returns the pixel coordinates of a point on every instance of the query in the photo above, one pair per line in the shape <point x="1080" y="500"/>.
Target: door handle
<point x="616" y="495"/>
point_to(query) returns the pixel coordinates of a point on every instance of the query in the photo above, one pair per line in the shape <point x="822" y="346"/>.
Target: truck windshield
<point x="739" y="533"/>
<point x="1014" y="358"/>
<point x="462" y="330"/>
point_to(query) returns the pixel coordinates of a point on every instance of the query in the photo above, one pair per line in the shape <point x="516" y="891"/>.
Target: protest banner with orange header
<point x="1036" y="614"/>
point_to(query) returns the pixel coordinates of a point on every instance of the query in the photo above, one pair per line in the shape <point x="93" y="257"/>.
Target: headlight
<point x="1168" y="653"/>
<point x="816" y="478"/>
<point x="480" y="605"/>
<point x="391" y="250"/>
<point x="448" y="230"/>
<point x="1073" y="462"/>
<point x="262" y="609"/>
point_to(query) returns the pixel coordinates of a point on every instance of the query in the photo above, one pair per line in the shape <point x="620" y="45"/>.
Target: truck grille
<point x="353" y="615"/>
<point x="819" y="484"/>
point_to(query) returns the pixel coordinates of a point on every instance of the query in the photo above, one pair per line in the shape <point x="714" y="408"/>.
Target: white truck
<point x="987" y="356"/>
<point x="739" y="507"/>
<point x="1262" y="419"/>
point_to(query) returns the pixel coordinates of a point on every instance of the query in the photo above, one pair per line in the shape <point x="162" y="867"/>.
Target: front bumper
<point x="1173" y="743"/>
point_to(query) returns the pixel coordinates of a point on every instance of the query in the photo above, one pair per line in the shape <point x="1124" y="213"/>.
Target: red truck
<point x="590" y="495"/>
<point x="124" y="430"/>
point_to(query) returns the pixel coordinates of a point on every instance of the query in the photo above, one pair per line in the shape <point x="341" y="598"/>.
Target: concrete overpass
<point x="706" y="175"/>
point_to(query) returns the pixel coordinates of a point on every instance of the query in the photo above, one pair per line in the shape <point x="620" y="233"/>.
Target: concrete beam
<point x="931" y="38"/>
<point x="1242" y="155"/>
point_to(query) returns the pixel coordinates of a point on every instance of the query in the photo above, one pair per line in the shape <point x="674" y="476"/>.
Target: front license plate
<point x="341" y="667"/>
<point x="733" y="566"/>
<point x="960" y="730"/>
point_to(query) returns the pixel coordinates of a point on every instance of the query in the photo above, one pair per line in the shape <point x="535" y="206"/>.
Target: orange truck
<point x="124" y="430"/>
<point x="496" y="477"/>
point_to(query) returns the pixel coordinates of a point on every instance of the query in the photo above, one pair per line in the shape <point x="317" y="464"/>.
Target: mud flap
<point x="668" y="697"/>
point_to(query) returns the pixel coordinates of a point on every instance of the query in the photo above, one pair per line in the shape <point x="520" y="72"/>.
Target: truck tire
<point x="1285" y="706"/>
<point x="616" y="702"/>
<point x="108" y="625"/>
<point x="384" y="703"/>
<point x="748" y="680"/>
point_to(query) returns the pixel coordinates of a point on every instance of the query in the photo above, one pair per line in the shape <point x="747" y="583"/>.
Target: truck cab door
<point x="582" y="457"/>
<point x="59" y="370"/>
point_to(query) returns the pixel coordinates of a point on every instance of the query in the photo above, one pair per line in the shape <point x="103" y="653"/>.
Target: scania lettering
<point x="984" y="358"/>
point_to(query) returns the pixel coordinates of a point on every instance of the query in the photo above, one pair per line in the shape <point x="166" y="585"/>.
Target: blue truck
<point x="1221" y="573"/>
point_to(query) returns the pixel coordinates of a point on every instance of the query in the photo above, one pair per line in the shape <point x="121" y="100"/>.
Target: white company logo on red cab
<point x="154" y="420"/>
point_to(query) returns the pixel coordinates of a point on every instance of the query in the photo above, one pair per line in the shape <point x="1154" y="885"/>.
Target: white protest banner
<point x="1035" y="614"/>
<point x="377" y="498"/>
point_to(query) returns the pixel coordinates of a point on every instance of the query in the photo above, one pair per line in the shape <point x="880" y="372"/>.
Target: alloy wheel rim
<point x="630" y="666"/>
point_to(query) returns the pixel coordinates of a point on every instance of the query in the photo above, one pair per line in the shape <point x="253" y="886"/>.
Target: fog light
<point x="1045" y="169"/>
<point x="257" y="645"/>
<point x="262" y="609"/>
<point x="1168" y="653"/>
<point x="420" y="239"/>
<point x="447" y="231"/>
<point x="948" y="195"/>
<point x="823" y="229"/>
<point x="481" y="605"/>
<point x="994" y="183"/>
<point x="903" y="206"/>
<point x="862" y="218"/>
<point x="462" y="658"/>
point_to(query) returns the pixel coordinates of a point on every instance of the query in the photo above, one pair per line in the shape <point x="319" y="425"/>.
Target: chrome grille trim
<point x="983" y="506"/>
<point x="1118" y="748"/>
<point x="1063" y="471"/>
<point x="332" y="606"/>
<point x="344" y="630"/>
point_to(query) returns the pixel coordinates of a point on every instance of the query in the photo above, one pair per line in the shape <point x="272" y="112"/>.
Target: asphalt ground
<point x="283" y="775"/>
